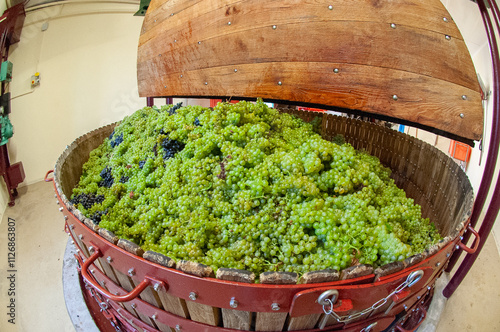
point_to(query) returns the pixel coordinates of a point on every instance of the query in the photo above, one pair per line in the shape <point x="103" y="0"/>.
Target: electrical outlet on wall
<point x="35" y="80"/>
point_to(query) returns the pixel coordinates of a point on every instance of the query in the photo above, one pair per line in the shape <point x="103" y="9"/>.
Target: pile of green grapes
<point x="245" y="186"/>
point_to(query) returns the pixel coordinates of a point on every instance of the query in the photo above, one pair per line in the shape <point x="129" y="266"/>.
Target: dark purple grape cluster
<point x="87" y="200"/>
<point x="172" y="110"/>
<point x="124" y="179"/>
<point x="107" y="178"/>
<point x="171" y="147"/>
<point x="118" y="139"/>
<point x="96" y="217"/>
<point x="197" y="122"/>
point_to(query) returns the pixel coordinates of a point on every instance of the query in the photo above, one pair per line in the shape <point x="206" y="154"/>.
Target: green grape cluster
<point x="245" y="186"/>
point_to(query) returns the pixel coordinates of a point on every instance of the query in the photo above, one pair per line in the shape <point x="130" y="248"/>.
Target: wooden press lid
<point x="403" y="60"/>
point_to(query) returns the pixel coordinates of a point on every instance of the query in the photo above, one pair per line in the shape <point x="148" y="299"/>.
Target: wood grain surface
<point x="355" y="55"/>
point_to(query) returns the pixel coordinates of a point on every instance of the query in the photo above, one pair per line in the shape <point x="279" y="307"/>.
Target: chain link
<point x="410" y="280"/>
<point x="103" y="306"/>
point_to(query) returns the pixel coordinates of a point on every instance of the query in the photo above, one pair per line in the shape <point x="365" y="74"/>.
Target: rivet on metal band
<point x="193" y="296"/>
<point x="131" y="272"/>
<point x="275" y="306"/>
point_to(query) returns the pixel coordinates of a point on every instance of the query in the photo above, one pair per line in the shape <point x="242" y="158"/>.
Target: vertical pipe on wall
<point x="494" y="206"/>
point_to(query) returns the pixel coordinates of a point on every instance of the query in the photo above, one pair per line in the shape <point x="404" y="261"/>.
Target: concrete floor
<point x="40" y="244"/>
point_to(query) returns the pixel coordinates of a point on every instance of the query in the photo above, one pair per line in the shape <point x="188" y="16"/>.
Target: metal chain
<point x="410" y="280"/>
<point x="103" y="307"/>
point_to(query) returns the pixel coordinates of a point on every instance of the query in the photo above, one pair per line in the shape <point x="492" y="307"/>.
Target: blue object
<point x="401" y="129"/>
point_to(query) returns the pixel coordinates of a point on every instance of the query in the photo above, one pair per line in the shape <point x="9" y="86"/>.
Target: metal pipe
<point x="70" y="2"/>
<point x="492" y="156"/>
<point x="494" y="206"/>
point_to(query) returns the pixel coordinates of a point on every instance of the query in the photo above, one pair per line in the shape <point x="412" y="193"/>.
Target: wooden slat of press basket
<point x="244" y="48"/>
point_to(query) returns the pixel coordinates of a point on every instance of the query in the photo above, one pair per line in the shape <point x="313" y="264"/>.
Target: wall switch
<point x="35" y="80"/>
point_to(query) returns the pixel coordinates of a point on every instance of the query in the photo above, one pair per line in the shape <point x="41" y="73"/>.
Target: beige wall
<point x="87" y="64"/>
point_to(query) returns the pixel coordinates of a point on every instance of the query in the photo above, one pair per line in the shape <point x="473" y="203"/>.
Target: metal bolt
<point x="461" y="237"/>
<point x="181" y="76"/>
<point x="91" y="248"/>
<point x="175" y="40"/>
<point x="448" y="255"/>
<point x="199" y="42"/>
<point x="418" y="297"/>
<point x="55" y="195"/>
<point x="235" y="70"/>
<point x="445" y="19"/>
<point x="228" y="23"/>
<point x="61" y="209"/>
<point x="464" y="97"/>
<point x="395" y="97"/>
<point x="66" y="218"/>
<point x="274" y="27"/>
<point x="336" y="70"/>
<point x="172" y="14"/>
<point x="165" y="86"/>
<point x="428" y="287"/>
<point x="462" y="115"/>
<point x="80" y="236"/>
<point x="393" y="25"/>
<point x="406" y="307"/>
<point x="133" y="305"/>
<point x="156" y="287"/>
<point x="155" y="21"/>
<point x="206" y="83"/>
<point x="447" y="37"/>
<point x="72" y="242"/>
<point x="177" y="327"/>
<point x="330" y="7"/>
<point x="154" y="316"/>
<point x="275" y="306"/>
<point x="57" y="202"/>
<point x="92" y="271"/>
<point x="71" y="226"/>
<point x="279" y="83"/>
<point x="437" y="264"/>
<point x="457" y="247"/>
<point x="159" y="54"/>
<point x="131" y="271"/>
<point x="193" y="296"/>
<point x="109" y="259"/>
<point x="233" y="303"/>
